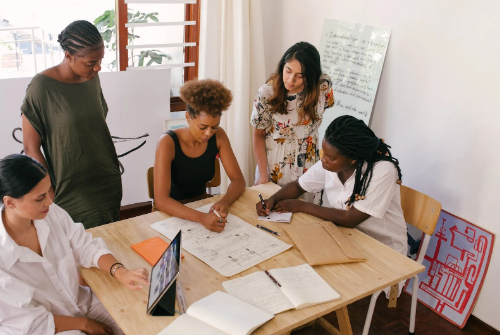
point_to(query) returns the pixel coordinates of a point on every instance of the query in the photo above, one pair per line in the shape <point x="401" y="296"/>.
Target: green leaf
<point x="141" y="61"/>
<point x="149" y="63"/>
<point x="106" y="35"/>
<point x="154" y="18"/>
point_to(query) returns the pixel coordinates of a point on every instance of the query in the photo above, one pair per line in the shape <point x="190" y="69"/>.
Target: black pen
<point x="268" y="230"/>
<point x="262" y="202"/>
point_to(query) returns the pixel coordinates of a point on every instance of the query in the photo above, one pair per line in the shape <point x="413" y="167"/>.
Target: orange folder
<point x="151" y="249"/>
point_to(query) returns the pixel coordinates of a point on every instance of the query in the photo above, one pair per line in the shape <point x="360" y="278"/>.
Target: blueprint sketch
<point x="237" y="248"/>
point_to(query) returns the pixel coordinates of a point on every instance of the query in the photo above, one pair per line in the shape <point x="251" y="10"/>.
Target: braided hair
<point x="80" y="36"/>
<point x="355" y="140"/>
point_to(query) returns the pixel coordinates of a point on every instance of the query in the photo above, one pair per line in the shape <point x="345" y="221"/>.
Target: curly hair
<point x="207" y="96"/>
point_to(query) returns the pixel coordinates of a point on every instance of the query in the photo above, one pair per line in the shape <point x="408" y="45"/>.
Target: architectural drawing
<point x="237" y="248"/>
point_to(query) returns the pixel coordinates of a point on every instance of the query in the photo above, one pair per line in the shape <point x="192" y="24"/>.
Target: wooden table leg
<point x="344" y="323"/>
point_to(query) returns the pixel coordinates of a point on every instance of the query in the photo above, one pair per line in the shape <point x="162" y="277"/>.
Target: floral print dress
<point x="291" y="146"/>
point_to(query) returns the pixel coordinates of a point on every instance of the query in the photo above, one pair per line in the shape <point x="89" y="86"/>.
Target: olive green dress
<point x="77" y="144"/>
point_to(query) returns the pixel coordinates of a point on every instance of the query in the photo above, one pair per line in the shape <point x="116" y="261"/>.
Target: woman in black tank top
<point x="185" y="157"/>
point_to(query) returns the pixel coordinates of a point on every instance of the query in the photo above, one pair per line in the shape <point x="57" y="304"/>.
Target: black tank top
<point x="190" y="175"/>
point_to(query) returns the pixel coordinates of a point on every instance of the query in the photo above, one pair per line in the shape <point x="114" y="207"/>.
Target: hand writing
<point x="213" y="223"/>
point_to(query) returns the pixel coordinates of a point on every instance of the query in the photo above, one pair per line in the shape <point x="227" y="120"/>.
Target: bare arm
<point x="165" y="153"/>
<point x="32" y="143"/>
<point x="237" y="185"/>
<point x="285" y="200"/>
<point x="259" y="152"/>
<point x="86" y="325"/>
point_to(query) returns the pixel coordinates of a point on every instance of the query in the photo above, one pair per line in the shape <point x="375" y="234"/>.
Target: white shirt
<point x="382" y="201"/>
<point x="33" y="288"/>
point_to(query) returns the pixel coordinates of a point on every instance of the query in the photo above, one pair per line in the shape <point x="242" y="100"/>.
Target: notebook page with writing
<point x="187" y="325"/>
<point x="229" y="314"/>
<point x="259" y="290"/>
<point x="304" y="286"/>
<point x="277" y="217"/>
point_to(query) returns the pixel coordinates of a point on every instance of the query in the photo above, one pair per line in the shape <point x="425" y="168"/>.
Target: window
<point x="160" y="34"/>
<point x="29" y="30"/>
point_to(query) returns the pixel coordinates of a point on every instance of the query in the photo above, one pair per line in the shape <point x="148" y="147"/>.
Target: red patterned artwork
<point x="456" y="262"/>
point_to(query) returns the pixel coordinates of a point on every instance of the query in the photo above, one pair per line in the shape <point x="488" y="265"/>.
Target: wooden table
<point x="353" y="281"/>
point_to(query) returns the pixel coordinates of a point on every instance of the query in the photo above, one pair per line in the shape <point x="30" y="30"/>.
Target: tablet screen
<point x="165" y="271"/>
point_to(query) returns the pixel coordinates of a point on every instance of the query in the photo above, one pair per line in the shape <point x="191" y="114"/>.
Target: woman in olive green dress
<point x="64" y="112"/>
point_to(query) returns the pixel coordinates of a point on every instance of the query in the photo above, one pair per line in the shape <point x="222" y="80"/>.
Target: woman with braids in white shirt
<point x="40" y="247"/>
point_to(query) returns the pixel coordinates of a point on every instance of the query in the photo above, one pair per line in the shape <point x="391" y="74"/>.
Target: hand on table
<point x="261" y="180"/>
<point x="132" y="278"/>
<point x="260" y="209"/>
<point x="213" y="223"/>
<point x="94" y="327"/>
<point x="289" y="206"/>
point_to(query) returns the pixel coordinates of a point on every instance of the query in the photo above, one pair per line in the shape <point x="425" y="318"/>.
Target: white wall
<point x="438" y="100"/>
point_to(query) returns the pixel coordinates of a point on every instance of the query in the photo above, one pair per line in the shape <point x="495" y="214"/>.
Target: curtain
<point x="232" y="51"/>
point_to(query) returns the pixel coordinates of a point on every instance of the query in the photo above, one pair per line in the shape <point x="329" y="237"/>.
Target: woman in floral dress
<point x="286" y="116"/>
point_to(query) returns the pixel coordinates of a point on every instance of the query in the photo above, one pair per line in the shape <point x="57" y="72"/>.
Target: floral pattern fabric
<point x="291" y="146"/>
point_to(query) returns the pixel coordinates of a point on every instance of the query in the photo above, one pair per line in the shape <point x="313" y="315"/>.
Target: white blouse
<point x="33" y="288"/>
<point x="382" y="201"/>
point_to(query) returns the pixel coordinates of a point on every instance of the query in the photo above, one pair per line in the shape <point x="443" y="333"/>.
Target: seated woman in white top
<point x="360" y="179"/>
<point x="40" y="247"/>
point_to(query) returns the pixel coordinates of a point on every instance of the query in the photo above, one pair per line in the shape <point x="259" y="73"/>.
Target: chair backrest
<point x="420" y="210"/>
<point x="212" y="183"/>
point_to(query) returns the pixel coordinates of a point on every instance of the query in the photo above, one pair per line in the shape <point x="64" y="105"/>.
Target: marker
<point x="272" y="278"/>
<point x="268" y="230"/>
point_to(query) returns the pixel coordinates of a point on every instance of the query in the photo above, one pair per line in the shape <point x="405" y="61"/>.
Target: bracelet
<point x="112" y="271"/>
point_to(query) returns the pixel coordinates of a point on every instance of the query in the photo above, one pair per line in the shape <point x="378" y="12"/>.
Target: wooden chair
<point x="422" y="212"/>
<point x="214" y="182"/>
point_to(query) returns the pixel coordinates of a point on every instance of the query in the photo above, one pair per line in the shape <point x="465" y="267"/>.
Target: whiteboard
<point x="353" y="55"/>
<point x="138" y="101"/>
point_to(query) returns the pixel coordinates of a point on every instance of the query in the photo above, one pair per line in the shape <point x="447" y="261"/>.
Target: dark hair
<point x="80" y="36"/>
<point x="208" y="96"/>
<point x="308" y="57"/>
<point x="355" y="140"/>
<point x="19" y="174"/>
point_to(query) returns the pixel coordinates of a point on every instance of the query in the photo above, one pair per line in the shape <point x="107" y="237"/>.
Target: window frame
<point x="191" y="54"/>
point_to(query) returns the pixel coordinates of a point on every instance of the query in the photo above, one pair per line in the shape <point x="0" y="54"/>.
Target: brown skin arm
<point x="285" y="200"/>
<point x="32" y="143"/>
<point x="259" y="152"/>
<point x="165" y="151"/>
<point x="233" y="171"/>
<point x="86" y="325"/>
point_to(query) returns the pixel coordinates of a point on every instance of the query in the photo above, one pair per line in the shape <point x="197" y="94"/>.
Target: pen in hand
<point x="262" y="202"/>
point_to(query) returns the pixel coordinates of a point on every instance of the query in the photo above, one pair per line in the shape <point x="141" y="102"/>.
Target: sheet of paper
<point x="259" y="290"/>
<point x="277" y="217"/>
<point x="237" y="248"/>
<point x="188" y="325"/>
<point x="304" y="286"/>
<point x="229" y="314"/>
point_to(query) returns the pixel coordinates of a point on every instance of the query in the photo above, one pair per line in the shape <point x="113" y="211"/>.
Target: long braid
<point x="80" y="36"/>
<point x="355" y="140"/>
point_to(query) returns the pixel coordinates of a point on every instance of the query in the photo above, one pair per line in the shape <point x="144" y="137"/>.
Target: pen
<point x="272" y="278"/>
<point x="181" y="302"/>
<point x="268" y="230"/>
<point x="262" y="202"/>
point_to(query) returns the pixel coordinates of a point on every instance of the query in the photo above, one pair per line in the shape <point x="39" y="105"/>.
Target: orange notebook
<point x="151" y="249"/>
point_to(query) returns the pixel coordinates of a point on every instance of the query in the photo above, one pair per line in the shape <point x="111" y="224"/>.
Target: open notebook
<point x="218" y="314"/>
<point x="301" y="286"/>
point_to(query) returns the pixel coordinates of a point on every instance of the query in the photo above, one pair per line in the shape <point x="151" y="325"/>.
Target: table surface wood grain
<point x="353" y="281"/>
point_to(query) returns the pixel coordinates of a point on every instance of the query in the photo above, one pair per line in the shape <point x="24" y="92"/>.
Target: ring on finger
<point x="220" y="220"/>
